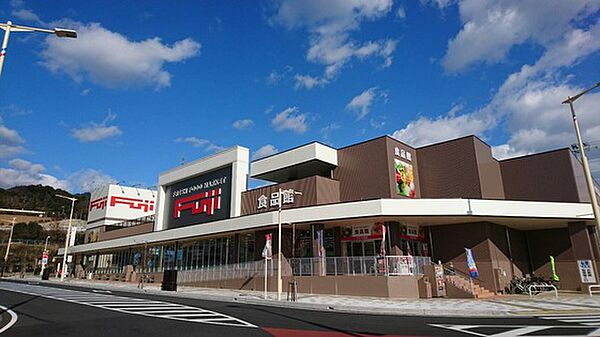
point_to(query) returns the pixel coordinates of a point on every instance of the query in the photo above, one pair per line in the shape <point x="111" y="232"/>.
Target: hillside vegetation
<point x="43" y="198"/>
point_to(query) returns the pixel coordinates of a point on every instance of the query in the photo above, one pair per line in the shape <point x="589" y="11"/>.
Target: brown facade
<point x="549" y="176"/>
<point x="316" y="190"/>
<point x="501" y="253"/>
<point x="450" y="170"/>
<point x="490" y="176"/>
<point x="363" y="170"/>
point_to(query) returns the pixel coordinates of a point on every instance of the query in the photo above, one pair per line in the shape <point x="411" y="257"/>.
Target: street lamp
<point x="45" y="250"/>
<point x="68" y="236"/>
<point x="9" y="27"/>
<point x="12" y="228"/>
<point x="279" y="202"/>
<point x="584" y="160"/>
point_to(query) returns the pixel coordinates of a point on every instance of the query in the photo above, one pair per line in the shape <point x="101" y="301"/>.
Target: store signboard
<point x="199" y="199"/>
<point x="363" y="232"/>
<point x="120" y="203"/>
<point x="586" y="271"/>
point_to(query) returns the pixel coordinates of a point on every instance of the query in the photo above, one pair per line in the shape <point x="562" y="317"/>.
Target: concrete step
<point x="463" y="283"/>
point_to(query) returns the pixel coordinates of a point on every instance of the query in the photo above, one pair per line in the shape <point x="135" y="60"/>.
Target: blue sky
<point x="146" y="85"/>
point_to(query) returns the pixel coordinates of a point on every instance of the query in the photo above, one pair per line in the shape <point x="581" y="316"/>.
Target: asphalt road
<point x="49" y="310"/>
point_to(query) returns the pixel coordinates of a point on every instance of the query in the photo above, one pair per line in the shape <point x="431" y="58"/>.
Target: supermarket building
<point x="371" y="220"/>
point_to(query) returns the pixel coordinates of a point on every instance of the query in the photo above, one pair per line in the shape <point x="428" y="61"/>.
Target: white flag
<point x="267" y="252"/>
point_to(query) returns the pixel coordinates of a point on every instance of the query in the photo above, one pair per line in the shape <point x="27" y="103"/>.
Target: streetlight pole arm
<point x="572" y="99"/>
<point x="19" y="28"/>
<point x="9" y="27"/>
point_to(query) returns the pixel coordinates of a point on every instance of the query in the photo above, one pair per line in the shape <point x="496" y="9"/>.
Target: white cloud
<point x="377" y="123"/>
<point x="19" y="11"/>
<point x="264" y="151"/>
<point x="401" y="12"/>
<point x="200" y="142"/>
<point x="276" y="76"/>
<point x="14" y="110"/>
<point x="441" y="4"/>
<point x="329" y="25"/>
<point x="530" y="99"/>
<point x="309" y="82"/>
<point x="243" y="124"/>
<point x="491" y="28"/>
<point x="11" y="143"/>
<point x="87" y="180"/>
<point x="290" y="119"/>
<point x="362" y="102"/>
<point x="327" y="130"/>
<point x="528" y="104"/>
<point x="94" y="132"/>
<point x="23" y="172"/>
<point x="111" y="59"/>
<point x="425" y="130"/>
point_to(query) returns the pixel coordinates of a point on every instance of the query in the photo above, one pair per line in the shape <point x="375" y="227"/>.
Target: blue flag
<point x="471" y="264"/>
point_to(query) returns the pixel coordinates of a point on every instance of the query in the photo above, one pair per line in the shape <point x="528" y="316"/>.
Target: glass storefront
<point x="352" y="241"/>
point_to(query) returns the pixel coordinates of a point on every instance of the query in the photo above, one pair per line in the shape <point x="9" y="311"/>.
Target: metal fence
<point x="328" y="266"/>
<point x="363" y="265"/>
<point x="232" y="271"/>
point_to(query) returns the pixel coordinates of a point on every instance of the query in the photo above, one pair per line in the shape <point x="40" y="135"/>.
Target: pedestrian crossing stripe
<point x="520" y="330"/>
<point x="589" y="320"/>
<point x="130" y="305"/>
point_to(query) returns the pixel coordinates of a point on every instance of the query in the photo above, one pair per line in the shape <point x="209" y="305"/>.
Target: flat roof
<point x="306" y="160"/>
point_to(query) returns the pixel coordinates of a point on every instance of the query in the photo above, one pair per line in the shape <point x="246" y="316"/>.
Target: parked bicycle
<point x="520" y="285"/>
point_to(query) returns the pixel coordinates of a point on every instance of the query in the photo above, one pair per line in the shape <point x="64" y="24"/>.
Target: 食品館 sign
<point x="200" y="199"/>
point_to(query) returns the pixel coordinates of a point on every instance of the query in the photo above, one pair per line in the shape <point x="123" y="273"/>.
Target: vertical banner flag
<point x="383" y="231"/>
<point x="267" y="252"/>
<point x="471" y="264"/>
<point x="555" y="277"/>
<point x="320" y="242"/>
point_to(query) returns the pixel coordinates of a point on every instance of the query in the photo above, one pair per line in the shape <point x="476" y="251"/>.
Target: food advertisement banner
<point x="405" y="184"/>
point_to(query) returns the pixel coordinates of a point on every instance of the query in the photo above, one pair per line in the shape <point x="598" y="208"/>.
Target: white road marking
<point x="588" y="320"/>
<point x="519" y="330"/>
<point x="128" y="305"/>
<point x="13" y="319"/>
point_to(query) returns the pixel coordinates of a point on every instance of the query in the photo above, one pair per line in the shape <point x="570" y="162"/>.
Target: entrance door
<point x="363" y="248"/>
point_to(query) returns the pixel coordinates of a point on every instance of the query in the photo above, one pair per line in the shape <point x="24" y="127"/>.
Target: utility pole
<point x="584" y="160"/>
<point x="12" y="228"/>
<point x="67" y="238"/>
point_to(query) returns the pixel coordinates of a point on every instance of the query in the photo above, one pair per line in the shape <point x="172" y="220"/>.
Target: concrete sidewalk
<point x="499" y="306"/>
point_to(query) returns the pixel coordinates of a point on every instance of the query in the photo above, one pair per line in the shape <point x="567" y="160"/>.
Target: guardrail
<point x="542" y="286"/>
<point x="591" y="287"/>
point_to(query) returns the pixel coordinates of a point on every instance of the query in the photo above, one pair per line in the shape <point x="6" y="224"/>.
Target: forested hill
<point x="43" y="198"/>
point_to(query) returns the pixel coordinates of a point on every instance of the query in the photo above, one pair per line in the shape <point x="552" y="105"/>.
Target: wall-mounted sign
<point x="363" y="232"/>
<point x="287" y="197"/>
<point x="586" y="271"/>
<point x="120" y="203"/>
<point x="199" y="199"/>
<point x="412" y="232"/>
<point x="402" y="154"/>
<point x="405" y="180"/>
